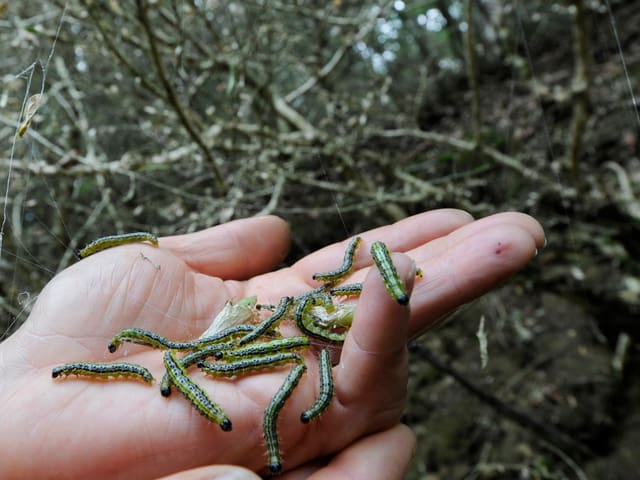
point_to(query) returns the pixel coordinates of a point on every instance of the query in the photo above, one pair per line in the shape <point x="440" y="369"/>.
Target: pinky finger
<point x="383" y="455"/>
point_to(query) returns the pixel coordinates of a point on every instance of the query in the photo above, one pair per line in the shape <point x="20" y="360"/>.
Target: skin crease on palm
<point x="78" y="428"/>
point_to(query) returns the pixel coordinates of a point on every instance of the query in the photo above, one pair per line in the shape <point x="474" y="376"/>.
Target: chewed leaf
<point x="33" y="104"/>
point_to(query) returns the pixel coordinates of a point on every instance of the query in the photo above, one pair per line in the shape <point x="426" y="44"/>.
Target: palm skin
<point x="125" y="429"/>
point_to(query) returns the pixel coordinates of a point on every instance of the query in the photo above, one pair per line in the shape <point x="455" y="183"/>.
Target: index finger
<point x="235" y="250"/>
<point x="401" y="236"/>
<point x="373" y="363"/>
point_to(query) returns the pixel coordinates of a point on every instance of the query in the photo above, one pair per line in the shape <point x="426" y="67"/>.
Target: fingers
<point x="214" y="472"/>
<point x="235" y="250"/>
<point x="385" y="455"/>
<point x="399" y="237"/>
<point x="418" y="229"/>
<point x="525" y="222"/>
<point x="374" y="358"/>
<point x="469" y="262"/>
<point x="380" y="326"/>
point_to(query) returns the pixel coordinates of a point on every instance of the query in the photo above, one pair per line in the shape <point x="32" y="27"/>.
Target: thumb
<point x="214" y="472"/>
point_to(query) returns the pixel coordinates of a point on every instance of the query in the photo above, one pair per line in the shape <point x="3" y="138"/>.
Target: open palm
<point x="78" y="428"/>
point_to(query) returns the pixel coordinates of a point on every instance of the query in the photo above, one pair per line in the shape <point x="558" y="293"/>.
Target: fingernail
<point x="414" y="273"/>
<point x="234" y="475"/>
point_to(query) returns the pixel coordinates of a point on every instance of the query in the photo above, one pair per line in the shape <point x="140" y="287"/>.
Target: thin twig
<point x="172" y="97"/>
<point x="543" y="430"/>
<point x="84" y="229"/>
<point x="335" y="59"/>
<point x="463" y="145"/>
<point x="472" y="72"/>
<point x="270" y="207"/>
<point x="115" y="51"/>
<point x="580" y="85"/>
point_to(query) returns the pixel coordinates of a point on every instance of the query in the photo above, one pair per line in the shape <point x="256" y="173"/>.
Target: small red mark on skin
<point x="498" y="249"/>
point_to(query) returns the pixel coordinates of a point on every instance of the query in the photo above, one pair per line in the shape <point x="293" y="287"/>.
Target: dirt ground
<point x="549" y="360"/>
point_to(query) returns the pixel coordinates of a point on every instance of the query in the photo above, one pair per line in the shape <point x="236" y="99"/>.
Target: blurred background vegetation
<point x="174" y="115"/>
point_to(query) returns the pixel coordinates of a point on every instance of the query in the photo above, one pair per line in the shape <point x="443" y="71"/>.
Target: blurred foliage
<point x="171" y="116"/>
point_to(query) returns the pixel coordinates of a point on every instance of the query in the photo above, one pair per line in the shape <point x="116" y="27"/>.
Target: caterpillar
<point x="350" y="289"/>
<point x="281" y="311"/>
<point x="347" y="265"/>
<point x="316" y="292"/>
<point x="198" y="397"/>
<point x="246" y="365"/>
<point x="326" y="389"/>
<point x="307" y="325"/>
<point x="141" y="336"/>
<point x="212" y="346"/>
<point x="103" y="370"/>
<point x="274" y="346"/>
<point x="114" y="240"/>
<point x="144" y="337"/>
<point x="392" y="282"/>
<point x="215" y="350"/>
<point x="270" y="422"/>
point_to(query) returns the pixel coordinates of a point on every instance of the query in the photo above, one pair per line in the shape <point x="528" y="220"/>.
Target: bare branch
<point x="270" y="207"/>
<point x="472" y="71"/>
<point x="336" y="57"/>
<point x="493" y="154"/>
<point x="540" y="428"/>
<point x="172" y="97"/>
<point x="581" y="84"/>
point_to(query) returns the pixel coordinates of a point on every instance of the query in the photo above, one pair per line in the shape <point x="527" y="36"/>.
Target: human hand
<point x="78" y="428"/>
